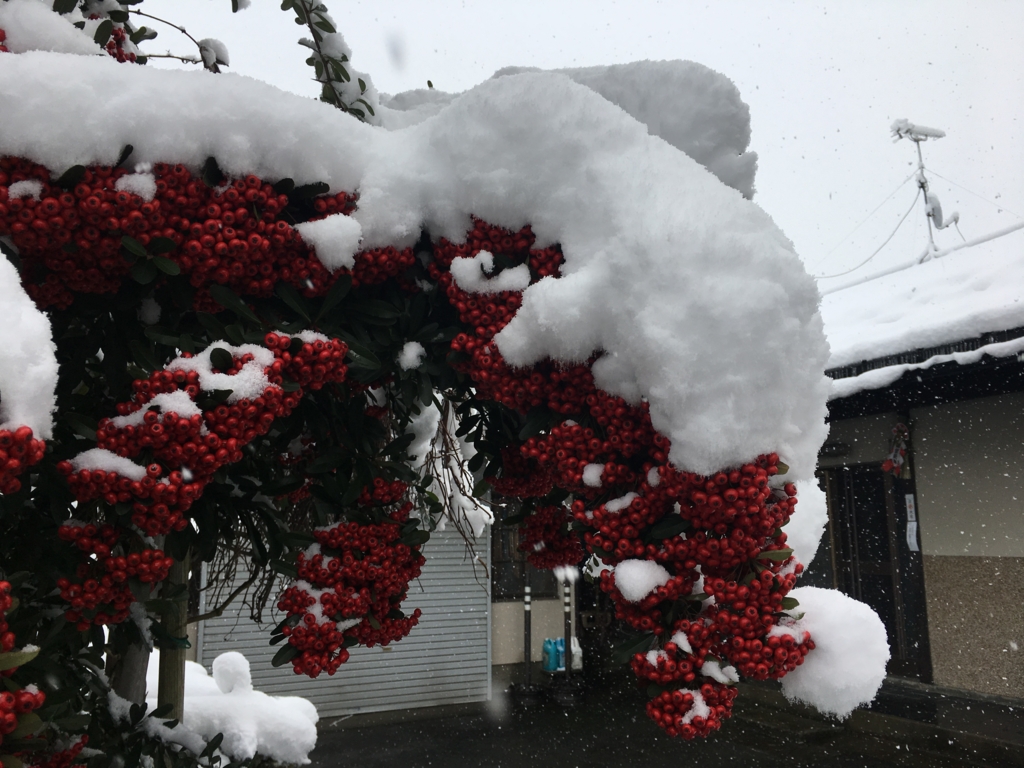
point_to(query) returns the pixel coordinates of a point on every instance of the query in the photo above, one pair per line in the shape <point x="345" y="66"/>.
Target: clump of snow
<point x="592" y="475"/>
<point x="411" y="356"/>
<point x="213" y="52"/>
<point x="101" y="458"/>
<point x="141" y="184"/>
<point x="335" y="239"/>
<point x="699" y="708"/>
<point x="847" y="666"/>
<point x="282" y="728"/>
<point x="636" y="579"/>
<point x="166" y="402"/>
<point x="231" y="672"/>
<point x="469" y="274"/>
<point x="569" y="573"/>
<point x="28" y="361"/>
<point x="32" y="25"/>
<point x="806" y="526"/>
<point x="653" y="478"/>
<point x="621" y="503"/>
<point x="27" y="188"/>
<point x="149" y="311"/>
<point x="726" y="675"/>
<point x="692" y="295"/>
<point x="680" y="639"/>
<point x="247" y="384"/>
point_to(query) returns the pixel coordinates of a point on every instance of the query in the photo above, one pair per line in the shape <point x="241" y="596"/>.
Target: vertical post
<point x="567" y="610"/>
<point x="527" y="634"/>
<point x="171" y="688"/>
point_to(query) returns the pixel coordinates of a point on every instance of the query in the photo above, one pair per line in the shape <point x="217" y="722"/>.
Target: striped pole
<point x="567" y="609"/>
<point x="527" y="638"/>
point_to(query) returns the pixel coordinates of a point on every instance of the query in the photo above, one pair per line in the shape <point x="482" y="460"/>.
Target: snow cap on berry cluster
<point x="247" y="384"/>
<point x="33" y="26"/>
<point x="636" y="579"/>
<point x="692" y="296"/>
<point x="28" y="361"/>
<point x="847" y="666"/>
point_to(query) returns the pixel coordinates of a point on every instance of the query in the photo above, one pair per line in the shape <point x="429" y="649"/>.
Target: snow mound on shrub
<point x="847" y="666"/>
<point x="28" y="359"/>
<point x="636" y="579"/>
<point x="805" y="527"/>
<point x="32" y="25"/>
<point x="282" y="728"/>
<point x="695" y="298"/>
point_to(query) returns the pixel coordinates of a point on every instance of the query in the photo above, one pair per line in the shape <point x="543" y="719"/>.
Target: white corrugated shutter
<point x="446" y="659"/>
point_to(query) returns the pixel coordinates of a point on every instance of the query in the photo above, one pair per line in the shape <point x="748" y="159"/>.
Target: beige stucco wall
<point x="507" y="629"/>
<point x="867" y="436"/>
<point x="969" y="460"/>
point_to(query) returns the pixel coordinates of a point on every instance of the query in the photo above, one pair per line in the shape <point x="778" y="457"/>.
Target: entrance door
<point x="877" y="562"/>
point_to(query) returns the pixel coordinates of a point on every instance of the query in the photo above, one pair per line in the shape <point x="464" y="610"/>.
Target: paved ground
<point x="608" y="729"/>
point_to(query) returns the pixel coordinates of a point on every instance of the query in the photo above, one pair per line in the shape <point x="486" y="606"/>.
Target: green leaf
<point x="536" y="420"/>
<point x="783" y="467"/>
<point x="10" y="761"/>
<point x="161" y="245"/>
<point x="83" y="425"/>
<point x="334" y="296"/>
<point x="284" y="187"/>
<point x="133" y="246"/>
<point x="285" y="569"/>
<point x="166" y="266"/>
<point x="103" y="32"/>
<point x="324" y="25"/>
<point x="373" y="621"/>
<point x="789" y="603"/>
<point x="221" y="358"/>
<point x="230" y="300"/>
<point x="119" y="16"/>
<point x="212" y="174"/>
<point x="416" y="538"/>
<point x="71" y="176"/>
<point x="625" y="651"/>
<point x="212" y="745"/>
<point x="13" y="659"/>
<point x="284" y="655"/>
<point x="307" y="191"/>
<point x="142" y="34"/>
<point x="776" y="554"/>
<point x="667" y="527"/>
<point x="64" y="6"/>
<point x="144" y="272"/>
<point x="291" y="297"/>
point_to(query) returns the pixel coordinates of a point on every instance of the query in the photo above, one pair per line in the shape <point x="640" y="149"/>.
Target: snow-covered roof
<point x="963" y="295"/>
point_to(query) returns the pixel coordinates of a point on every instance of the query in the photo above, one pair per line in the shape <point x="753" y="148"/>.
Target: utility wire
<point x="980" y="197"/>
<point x="890" y="237"/>
<point x="864" y="221"/>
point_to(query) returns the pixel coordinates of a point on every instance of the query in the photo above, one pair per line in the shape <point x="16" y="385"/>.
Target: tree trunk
<point x="172" y="661"/>
<point x="127" y="672"/>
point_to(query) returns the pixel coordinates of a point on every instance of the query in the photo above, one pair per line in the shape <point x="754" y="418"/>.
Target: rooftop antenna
<point x="904" y="129"/>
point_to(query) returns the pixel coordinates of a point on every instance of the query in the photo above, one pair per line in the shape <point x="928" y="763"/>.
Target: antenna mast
<point x="904" y="129"/>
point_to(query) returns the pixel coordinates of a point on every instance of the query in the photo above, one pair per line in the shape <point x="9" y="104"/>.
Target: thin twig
<point x="219" y="611"/>
<point x="212" y="68"/>
<point x="306" y="9"/>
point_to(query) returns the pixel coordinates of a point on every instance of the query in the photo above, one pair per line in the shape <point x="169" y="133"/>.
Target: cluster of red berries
<point x="15" y="703"/>
<point x="235" y="234"/>
<point x="115" y="46"/>
<point x="545" y="537"/>
<point x="7" y="638"/>
<point x="18" y="450"/>
<point x="3" y="39"/>
<point x="351" y="586"/>
<point x="692" y="713"/>
<point x="63" y="758"/>
<point x="101" y="594"/>
<point x="198" y="443"/>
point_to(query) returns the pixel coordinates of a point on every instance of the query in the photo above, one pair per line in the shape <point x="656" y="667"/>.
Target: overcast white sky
<point x="824" y="80"/>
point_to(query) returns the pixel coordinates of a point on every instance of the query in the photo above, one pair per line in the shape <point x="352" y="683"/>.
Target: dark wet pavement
<point x="608" y="729"/>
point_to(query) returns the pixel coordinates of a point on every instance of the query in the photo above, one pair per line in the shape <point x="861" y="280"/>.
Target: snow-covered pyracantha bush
<point x="251" y="303"/>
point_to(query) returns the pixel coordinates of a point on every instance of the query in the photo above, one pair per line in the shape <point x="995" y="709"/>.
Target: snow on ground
<point x="282" y="728"/>
<point x="847" y="666"/>
<point x="28" y="361"/>
<point x="959" y="296"/>
<point x="693" y="294"/>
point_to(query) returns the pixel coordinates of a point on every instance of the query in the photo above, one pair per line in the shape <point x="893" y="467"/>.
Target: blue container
<point x="560" y="648"/>
<point x="550" y="655"/>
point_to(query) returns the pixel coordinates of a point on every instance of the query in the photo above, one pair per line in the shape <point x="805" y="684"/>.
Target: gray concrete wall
<point x="867" y="437"/>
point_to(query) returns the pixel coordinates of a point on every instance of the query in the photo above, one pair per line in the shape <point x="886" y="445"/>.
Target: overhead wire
<point x="980" y="197"/>
<point x="877" y="250"/>
<point x="865" y="219"/>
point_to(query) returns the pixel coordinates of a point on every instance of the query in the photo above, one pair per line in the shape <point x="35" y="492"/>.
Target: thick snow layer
<point x="411" y="356"/>
<point x="805" y="527"/>
<point x="282" y="728"/>
<point x="692" y="293"/>
<point x="693" y="108"/>
<point x="847" y="666"/>
<point x="959" y="296"/>
<point x="31" y="25"/>
<point x="335" y="239"/>
<point x="636" y="579"/>
<point x="28" y="361"/>
<point x="248" y="383"/>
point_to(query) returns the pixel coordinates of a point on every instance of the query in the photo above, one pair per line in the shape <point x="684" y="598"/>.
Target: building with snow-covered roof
<point x="924" y="464"/>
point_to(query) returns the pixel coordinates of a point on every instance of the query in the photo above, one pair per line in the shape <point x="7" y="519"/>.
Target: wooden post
<point x="172" y="661"/>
